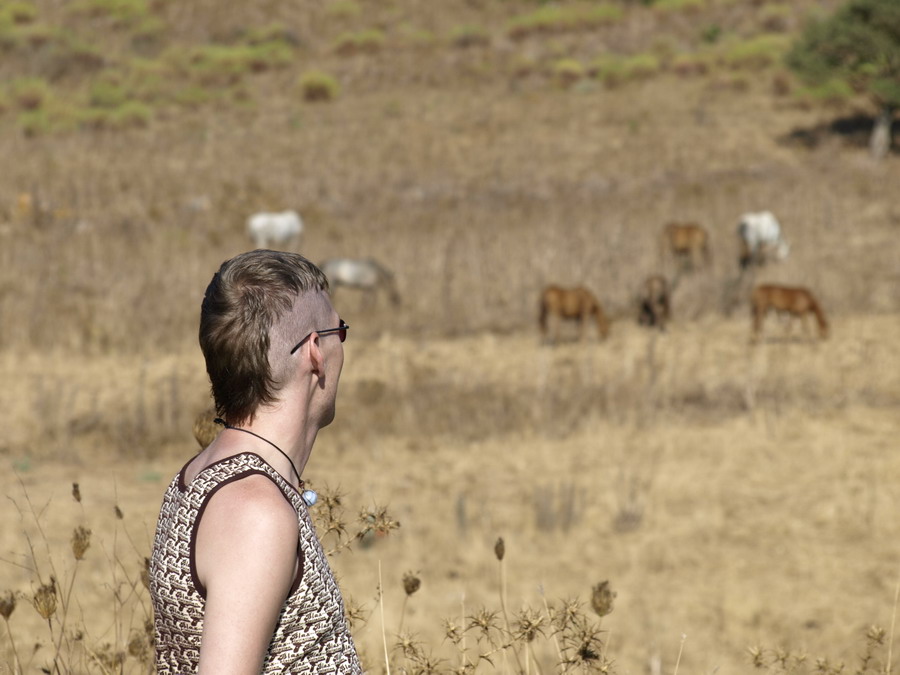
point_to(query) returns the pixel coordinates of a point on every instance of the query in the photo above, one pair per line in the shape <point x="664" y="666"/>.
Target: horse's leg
<point x="758" y="314"/>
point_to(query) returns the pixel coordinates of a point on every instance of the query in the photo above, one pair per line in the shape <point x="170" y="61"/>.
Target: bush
<point x="469" y="36"/>
<point x="120" y="12"/>
<point x="567" y="72"/>
<point x="35" y="122"/>
<point x="30" y="93"/>
<point x="107" y="92"/>
<point x="343" y="9"/>
<point x="615" y="70"/>
<point x="18" y="12"/>
<point x="318" y="86"/>
<point x="832" y="92"/>
<point x="679" y="5"/>
<point x="775" y="18"/>
<point x="693" y="64"/>
<point x="757" y="53"/>
<point x="365" y="42"/>
<point x="557" y="19"/>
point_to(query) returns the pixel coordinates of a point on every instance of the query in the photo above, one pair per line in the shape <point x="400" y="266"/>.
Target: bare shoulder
<point x="247" y="532"/>
<point x="252" y="506"/>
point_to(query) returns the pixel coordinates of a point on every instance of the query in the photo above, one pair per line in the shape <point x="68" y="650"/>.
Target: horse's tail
<point x="816" y="309"/>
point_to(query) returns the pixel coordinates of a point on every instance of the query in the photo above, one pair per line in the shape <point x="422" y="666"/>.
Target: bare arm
<point x="246" y="558"/>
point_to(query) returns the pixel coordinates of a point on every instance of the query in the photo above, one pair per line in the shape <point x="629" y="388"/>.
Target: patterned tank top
<point x="311" y="635"/>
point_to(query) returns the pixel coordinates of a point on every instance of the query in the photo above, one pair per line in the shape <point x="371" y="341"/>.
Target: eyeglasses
<point x="341" y="330"/>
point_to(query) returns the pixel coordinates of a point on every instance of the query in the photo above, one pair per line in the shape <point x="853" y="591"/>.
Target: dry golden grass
<point x="739" y="495"/>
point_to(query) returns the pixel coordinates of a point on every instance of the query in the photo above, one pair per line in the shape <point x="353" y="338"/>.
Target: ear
<point x="316" y="357"/>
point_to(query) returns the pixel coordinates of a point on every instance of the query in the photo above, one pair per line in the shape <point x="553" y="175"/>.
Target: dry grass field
<point x="742" y="496"/>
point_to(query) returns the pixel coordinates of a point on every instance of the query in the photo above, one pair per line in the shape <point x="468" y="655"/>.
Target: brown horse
<point x="655" y="302"/>
<point x="577" y="304"/>
<point x="686" y="242"/>
<point x="796" y="302"/>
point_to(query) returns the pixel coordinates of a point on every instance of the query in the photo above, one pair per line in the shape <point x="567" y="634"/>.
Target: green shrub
<point x="107" y="92"/>
<point x="711" y="33"/>
<point x="559" y="19"/>
<point x="318" y="86"/>
<point x="679" y="5"/>
<point x="36" y="35"/>
<point x="35" y="122"/>
<point x="130" y="115"/>
<point x="756" y="53"/>
<point x="275" y="33"/>
<point x="698" y="63"/>
<point x="615" y="70"/>
<point x="18" y="12"/>
<point x="832" y="92"/>
<point x="775" y="18"/>
<point x="343" y="9"/>
<point x="120" y="12"/>
<point x="190" y="96"/>
<point x="567" y="72"/>
<point x="30" y="93"/>
<point x="366" y="42"/>
<point x="469" y="36"/>
<point x="268" y="56"/>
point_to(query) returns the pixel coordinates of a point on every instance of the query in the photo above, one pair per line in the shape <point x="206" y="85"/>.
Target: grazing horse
<point x="796" y="302"/>
<point x="760" y="239"/>
<point x="364" y="274"/>
<point x="275" y="229"/>
<point x="655" y="308"/>
<point x="687" y="242"/>
<point x="577" y="304"/>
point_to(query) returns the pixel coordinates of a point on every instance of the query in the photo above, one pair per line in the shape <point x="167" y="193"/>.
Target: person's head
<point x="256" y="308"/>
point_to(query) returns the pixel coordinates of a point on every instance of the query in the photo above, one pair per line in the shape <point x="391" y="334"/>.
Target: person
<point x="238" y="579"/>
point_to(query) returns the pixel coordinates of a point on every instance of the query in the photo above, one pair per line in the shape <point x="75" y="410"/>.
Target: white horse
<point x="761" y="239"/>
<point x="365" y="274"/>
<point x="278" y="229"/>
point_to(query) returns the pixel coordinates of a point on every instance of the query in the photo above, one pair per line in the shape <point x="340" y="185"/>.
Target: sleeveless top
<point x="311" y="635"/>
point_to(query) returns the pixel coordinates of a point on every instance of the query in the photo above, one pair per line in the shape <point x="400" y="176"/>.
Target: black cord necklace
<point x="219" y="420"/>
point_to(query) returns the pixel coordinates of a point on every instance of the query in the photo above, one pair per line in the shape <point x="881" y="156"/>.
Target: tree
<point x="860" y="46"/>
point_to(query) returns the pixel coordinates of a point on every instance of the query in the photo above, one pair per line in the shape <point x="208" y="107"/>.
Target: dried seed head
<point x="119" y="513"/>
<point x="45" y="599"/>
<point x="76" y="492"/>
<point x="453" y="632"/>
<point x="499" y="548"/>
<point x="7" y="604"/>
<point x="81" y="541"/>
<point x="205" y="429"/>
<point x="408" y="646"/>
<point x="876" y="635"/>
<point x="529" y="624"/>
<point x="145" y="573"/>
<point x="484" y="620"/>
<point x="411" y="583"/>
<point x="356" y="614"/>
<point x="602" y="599"/>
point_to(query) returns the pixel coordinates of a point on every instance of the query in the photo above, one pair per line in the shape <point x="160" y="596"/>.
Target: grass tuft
<point x="562" y="19"/>
<point x="318" y="86"/>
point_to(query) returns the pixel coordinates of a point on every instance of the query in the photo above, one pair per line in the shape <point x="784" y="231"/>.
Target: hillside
<point x="739" y="494"/>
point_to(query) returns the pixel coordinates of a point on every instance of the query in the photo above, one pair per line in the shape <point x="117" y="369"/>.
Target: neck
<point x="287" y="441"/>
